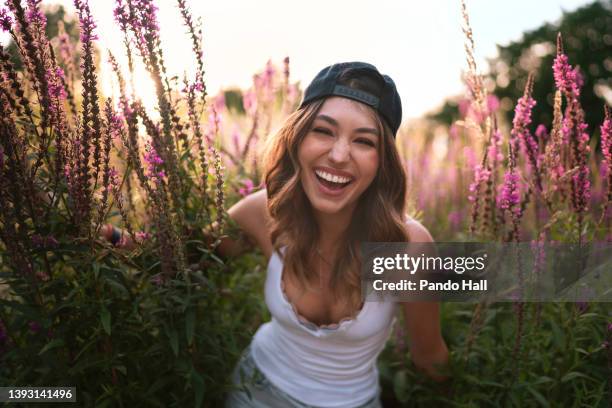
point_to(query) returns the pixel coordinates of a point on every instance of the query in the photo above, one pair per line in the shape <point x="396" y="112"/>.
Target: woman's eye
<point x="367" y="142"/>
<point x="322" y="130"/>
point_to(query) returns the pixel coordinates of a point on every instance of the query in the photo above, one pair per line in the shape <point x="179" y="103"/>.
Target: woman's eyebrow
<point x="328" y="119"/>
<point x="334" y="122"/>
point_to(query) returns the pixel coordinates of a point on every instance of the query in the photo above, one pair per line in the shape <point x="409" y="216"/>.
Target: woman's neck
<point x="332" y="228"/>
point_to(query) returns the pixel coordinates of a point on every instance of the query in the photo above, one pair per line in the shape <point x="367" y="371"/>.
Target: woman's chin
<point x="331" y="208"/>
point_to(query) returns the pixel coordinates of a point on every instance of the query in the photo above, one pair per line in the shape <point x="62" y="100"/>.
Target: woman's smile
<point x="331" y="182"/>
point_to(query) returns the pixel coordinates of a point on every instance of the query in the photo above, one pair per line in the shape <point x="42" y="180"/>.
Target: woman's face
<point x="339" y="155"/>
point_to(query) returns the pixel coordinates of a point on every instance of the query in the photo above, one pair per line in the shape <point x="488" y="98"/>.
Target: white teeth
<point x="332" y="178"/>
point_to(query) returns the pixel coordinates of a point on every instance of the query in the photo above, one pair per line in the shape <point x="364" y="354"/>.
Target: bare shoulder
<point x="251" y="214"/>
<point x="417" y="232"/>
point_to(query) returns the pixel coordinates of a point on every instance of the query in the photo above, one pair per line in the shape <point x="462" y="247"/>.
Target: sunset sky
<point x="419" y="44"/>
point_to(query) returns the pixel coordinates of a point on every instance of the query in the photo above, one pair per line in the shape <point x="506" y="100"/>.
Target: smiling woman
<point x="333" y="179"/>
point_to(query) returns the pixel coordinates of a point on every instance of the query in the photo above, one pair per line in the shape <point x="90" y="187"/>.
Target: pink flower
<point x="470" y="157"/>
<point x="142" y="236"/>
<point x="34" y="15"/>
<point x="481" y="175"/>
<point x="236" y="136"/>
<point x="464" y="107"/>
<point x="114" y="183"/>
<point x="86" y="21"/>
<point x="249" y="102"/>
<point x="495" y="151"/>
<point x="492" y="103"/>
<point x="153" y="161"/>
<point x="522" y="112"/>
<point x="582" y="189"/>
<point x="455" y="217"/>
<point x="510" y="197"/>
<point x="5" y="20"/>
<point x="116" y="126"/>
<point x="56" y="84"/>
<point x="567" y="79"/>
<point x="606" y="139"/>
<point x="248" y="187"/>
<point x="219" y="102"/>
<point x="541" y="133"/>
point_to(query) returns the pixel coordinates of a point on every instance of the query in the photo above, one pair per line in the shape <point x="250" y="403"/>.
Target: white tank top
<point x="326" y="366"/>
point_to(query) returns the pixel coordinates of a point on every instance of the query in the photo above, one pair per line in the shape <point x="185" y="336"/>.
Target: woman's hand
<point x="427" y="347"/>
<point x="117" y="237"/>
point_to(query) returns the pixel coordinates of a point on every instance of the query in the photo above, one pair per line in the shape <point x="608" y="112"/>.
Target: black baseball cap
<point x="333" y="80"/>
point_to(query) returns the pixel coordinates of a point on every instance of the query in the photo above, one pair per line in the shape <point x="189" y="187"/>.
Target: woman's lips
<point x="329" y="191"/>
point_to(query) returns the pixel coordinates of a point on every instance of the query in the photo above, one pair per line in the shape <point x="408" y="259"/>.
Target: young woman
<point x="333" y="179"/>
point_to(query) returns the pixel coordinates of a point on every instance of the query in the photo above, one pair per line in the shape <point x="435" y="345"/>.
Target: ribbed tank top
<point x="325" y="366"/>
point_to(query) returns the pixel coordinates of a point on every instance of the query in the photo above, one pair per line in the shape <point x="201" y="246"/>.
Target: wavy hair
<point x="378" y="216"/>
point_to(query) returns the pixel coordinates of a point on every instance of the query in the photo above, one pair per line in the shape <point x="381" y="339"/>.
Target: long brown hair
<point x="378" y="217"/>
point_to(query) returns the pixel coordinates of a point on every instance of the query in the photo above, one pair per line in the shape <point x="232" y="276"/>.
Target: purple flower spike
<point x="6" y="22"/>
<point x="567" y="79"/>
<point x="541" y="132"/>
<point x="606" y="139"/>
<point x="86" y="21"/>
<point x="510" y="197"/>
<point x="56" y="86"/>
<point x="481" y="175"/>
<point x="34" y="15"/>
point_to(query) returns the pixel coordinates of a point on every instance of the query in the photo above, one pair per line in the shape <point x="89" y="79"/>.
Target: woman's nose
<point x="340" y="151"/>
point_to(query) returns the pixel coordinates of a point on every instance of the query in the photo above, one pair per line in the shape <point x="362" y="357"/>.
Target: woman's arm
<point x="249" y="218"/>
<point x="247" y="228"/>
<point x="427" y="347"/>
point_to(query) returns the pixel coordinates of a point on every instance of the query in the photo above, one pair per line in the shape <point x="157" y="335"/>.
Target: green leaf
<point x="538" y="396"/>
<point x="122" y="369"/>
<point x="492" y="384"/>
<point x="105" y="317"/>
<point x="190" y="325"/>
<point x="118" y="287"/>
<point x="55" y="343"/>
<point x="573" y="375"/>
<point x="198" y="386"/>
<point x="400" y="386"/>
<point x="581" y="351"/>
<point x="217" y="259"/>
<point x="96" y="270"/>
<point x="542" y="380"/>
<point x="173" y="336"/>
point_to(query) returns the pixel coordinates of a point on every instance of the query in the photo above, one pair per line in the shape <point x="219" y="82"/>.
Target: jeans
<point x="264" y="394"/>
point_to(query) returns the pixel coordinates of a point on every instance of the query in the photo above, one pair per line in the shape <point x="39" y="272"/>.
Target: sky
<point x="418" y="43"/>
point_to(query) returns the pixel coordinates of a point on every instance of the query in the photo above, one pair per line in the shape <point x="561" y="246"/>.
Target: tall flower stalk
<point x="606" y="150"/>
<point x="574" y="129"/>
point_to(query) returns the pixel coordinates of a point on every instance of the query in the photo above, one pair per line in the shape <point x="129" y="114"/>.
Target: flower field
<point x="164" y="323"/>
